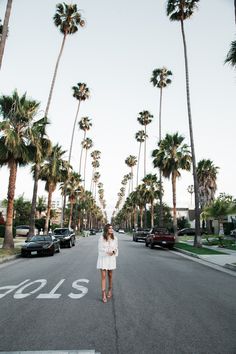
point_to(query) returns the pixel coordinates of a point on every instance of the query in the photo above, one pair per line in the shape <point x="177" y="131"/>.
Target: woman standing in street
<point x="107" y="253"/>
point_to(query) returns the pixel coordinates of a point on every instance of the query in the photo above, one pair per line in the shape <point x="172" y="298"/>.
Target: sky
<point x="115" y="54"/>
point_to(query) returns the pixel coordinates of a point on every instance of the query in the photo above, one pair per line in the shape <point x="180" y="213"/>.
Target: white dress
<point x="104" y="260"/>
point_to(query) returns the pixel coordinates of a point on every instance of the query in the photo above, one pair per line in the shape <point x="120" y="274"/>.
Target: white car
<point x="23" y="230"/>
<point x="121" y="231"/>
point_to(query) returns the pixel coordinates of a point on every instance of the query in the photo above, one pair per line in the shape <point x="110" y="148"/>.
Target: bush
<point x="2" y="231"/>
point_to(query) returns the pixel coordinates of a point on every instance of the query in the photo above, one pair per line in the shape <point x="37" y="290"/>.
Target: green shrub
<point x="2" y="231"/>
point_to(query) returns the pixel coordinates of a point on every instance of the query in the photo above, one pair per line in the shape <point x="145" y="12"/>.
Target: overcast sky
<point x="115" y="54"/>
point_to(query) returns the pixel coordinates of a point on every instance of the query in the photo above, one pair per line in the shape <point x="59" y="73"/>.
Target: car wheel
<point x="151" y="245"/>
<point x="73" y="242"/>
<point x="59" y="249"/>
<point x="171" y="247"/>
<point x="146" y="244"/>
<point x="52" y="252"/>
<point x="70" y="244"/>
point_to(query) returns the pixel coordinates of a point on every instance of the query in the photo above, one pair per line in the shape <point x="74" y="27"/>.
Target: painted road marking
<point x="24" y="289"/>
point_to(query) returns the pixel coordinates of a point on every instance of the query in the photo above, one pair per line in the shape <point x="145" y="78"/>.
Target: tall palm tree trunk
<point x="8" y="242"/>
<point x="81" y="154"/>
<point x="85" y="162"/>
<point x="34" y="199"/>
<point x="160" y="176"/>
<point x="71" y="213"/>
<point x="5" y="30"/>
<point x="50" y="190"/>
<point x="145" y="147"/>
<point x="173" y="179"/>
<point x="141" y="217"/>
<point x="70" y="152"/>
<point x="54" y="75"/>
<point x="152" y="214"/>
<point x="139" y="152"/>
<point x="132" y="179"/>
<point x="197" y="238"/>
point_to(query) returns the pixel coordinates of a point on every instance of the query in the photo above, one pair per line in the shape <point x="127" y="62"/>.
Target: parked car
<point x="233" y="233"/>
<point x="40" y="245"/>
<point x="121" y="231"/>
<point x="92" y="232"/>
<point x="190" y="231"/>
<point x="140" y="234"/>
<point x="160" y="236"/>
<point x="23" y="230"/>
<point x="65" y="235"/>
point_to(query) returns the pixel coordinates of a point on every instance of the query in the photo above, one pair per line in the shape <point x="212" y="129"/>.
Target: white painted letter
<point x="52" y="294"/>
<point x="11" y="288"/>
<point x="82" y="288"/>
<point x="20" y="295"/>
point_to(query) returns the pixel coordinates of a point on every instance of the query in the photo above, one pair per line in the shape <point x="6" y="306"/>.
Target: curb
<point x="8" y="258"/>
<point x="230" y="266"/>
<point x="187" y="253"/>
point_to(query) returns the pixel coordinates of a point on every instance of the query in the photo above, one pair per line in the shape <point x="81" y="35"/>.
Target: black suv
<point x="65" y="235"/>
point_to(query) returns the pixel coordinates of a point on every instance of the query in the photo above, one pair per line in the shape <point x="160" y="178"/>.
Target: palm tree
<point x="84" y="124"/>
<point x="73" y="189"/>
<point x="41" y="205"/>
<point x="153" y="191"/>
<point x="181" y="10"/>
<point x="140" y="136"/>
<point x="96" y="178"/>
<point x="131" y="161"/>
<point x="53" y="171"/>
<point x="145" y="118"/>
<point x="5" y="30"/>
<point x="86" y="144"/>
<point x="231" y="56"/>
<point x="141" y="200"/>
<point x="68" y="19"/>
<point x="96" y="155"/>
<point x="171" y="157"/>
<point x="207" y="175"/>
<point x="15" y="146"/>
<point x="81" y="93"/>
<point x="160" y="79"/>
<point x="42" y="147"/>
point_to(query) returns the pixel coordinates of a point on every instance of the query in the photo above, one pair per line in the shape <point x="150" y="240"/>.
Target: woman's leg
<point x="103" y="283"/>
<point x="110" y="284"/>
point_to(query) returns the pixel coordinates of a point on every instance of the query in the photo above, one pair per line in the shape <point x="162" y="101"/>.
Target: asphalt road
<point x="163" y="303"/>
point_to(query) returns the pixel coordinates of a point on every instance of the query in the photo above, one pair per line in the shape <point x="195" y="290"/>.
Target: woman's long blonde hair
<point x="105" y="232"/>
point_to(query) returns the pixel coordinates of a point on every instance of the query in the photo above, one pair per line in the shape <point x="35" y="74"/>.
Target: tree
<point x="74" y="189"/>
<point x="131" y="162"/>
<point x="206" y="175"/>
<point x="221" y="207"/>
<point x="41" y="205"/>
<point x="81" y="93"/>
<point x="140" y="136"/>
<point x="180" y="10"/>
<point x="42" y="147"/>
<point x="53" y="171"/>
<point x="15" y="146"/>
<point x="68" y="19"/>
<point x="86" y="145"/>
<point x="153" y="191"/>
<point x="4" y="31"/>
<point x="231" y="56"/>
<point x="84" y="124"/>
<point x="160" y="79"/>
<point x="171" y="157"/>
<point x="145" y="118"/>
<point x="141" y="200"/>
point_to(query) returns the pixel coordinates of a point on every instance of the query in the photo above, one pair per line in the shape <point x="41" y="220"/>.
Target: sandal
<point x="104" y="298"/>
<point x="109" y="294"/>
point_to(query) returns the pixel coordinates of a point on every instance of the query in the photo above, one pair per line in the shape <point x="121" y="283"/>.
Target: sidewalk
<point x="223" y="260"/>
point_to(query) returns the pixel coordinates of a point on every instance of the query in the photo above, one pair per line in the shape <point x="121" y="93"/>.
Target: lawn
<point x="196" y="250"/>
